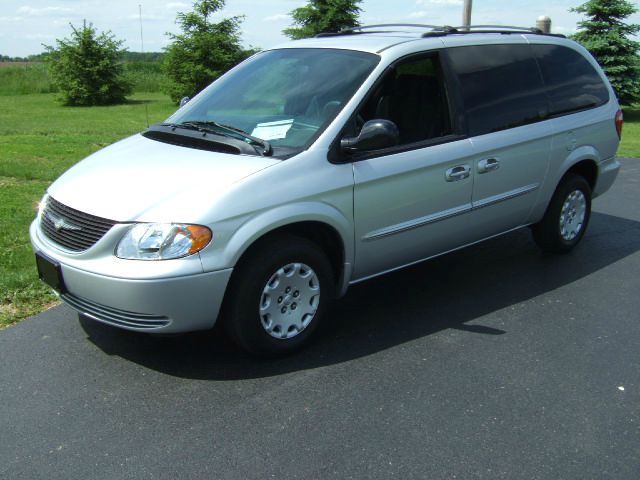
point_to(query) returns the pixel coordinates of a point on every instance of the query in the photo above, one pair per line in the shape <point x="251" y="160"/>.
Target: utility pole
<point x="466" y="13"/>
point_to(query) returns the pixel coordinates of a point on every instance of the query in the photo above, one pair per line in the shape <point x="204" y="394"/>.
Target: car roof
<point x="377" y="38"/>
<point x="366" y="42"/>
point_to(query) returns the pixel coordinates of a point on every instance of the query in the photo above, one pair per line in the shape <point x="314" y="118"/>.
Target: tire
<point x="567" y="217"/>
<point x="277" y="295"/>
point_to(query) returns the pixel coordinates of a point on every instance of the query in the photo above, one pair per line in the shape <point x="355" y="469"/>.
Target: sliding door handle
<point x="488" y="165"/>
<point x="459" y="172"/>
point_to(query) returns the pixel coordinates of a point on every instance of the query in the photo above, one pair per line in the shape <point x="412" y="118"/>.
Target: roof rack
<point x="372" y="29"/>
<point x="502" y="29"/>
<point x="466" y="29"/>
<point x="438" y="30"/>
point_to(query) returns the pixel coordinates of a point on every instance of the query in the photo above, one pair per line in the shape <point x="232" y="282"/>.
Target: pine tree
<point x="607" y="37"/>
<point x="86" y="69"/>
<point x="204" y="51"/>
<point x="320" y="16"/>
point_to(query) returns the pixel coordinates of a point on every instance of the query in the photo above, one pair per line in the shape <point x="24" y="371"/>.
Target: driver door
<point x="412" y="201"/>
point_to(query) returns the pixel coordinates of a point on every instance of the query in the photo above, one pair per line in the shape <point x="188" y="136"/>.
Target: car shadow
<point x="444" y="293"/>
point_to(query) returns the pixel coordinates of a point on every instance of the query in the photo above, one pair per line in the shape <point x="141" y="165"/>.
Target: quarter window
<point x="572" y="82"/>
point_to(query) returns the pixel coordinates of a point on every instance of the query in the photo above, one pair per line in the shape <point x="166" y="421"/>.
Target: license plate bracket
<point x="50" y="272"/>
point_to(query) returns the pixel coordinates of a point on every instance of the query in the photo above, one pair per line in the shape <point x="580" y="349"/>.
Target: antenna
<point x="146" y="107"/>
<point x="141" y="37"/>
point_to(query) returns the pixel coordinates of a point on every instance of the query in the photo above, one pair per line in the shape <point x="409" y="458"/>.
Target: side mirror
<point x="375" y="135"/>
<point x="184" y="101"/>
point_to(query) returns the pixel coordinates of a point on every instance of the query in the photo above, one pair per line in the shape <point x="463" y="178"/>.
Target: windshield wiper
<point x="201" y="126"/>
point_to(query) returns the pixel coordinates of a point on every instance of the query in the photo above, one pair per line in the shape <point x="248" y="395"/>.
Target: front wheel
<point x="567" y="216"/>
<point x="278" y="295"/>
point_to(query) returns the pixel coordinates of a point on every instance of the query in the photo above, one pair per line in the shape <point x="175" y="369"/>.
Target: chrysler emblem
<point x="60" y="223"/>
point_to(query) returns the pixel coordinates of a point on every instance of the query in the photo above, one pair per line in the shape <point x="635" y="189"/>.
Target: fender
<point x="267" y="221"/>
<point x="585" y="152"/>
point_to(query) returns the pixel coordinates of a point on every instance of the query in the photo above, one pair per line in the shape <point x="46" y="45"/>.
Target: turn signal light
<point x="619" y="123"/>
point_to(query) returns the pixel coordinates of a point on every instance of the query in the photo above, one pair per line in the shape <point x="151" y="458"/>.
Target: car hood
<point x="138" y="179"/>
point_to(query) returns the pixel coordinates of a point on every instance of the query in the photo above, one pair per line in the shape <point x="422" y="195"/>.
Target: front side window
<point x="412" y="95"/>
<point x="286" y="97"/>
<point x="501" y="86"/>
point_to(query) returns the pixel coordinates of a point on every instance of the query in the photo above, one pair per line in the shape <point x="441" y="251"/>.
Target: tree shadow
<point x="446" y="292"/>
<point x="131" y="101"/>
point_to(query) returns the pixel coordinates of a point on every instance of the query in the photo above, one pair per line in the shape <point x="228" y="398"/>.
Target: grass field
<point x="39" y="140"/>
<point x="630" y="146"/>
<point x="22" y="78"/>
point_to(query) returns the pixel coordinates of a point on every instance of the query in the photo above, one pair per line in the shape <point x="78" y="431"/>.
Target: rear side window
<point x="572" y="82"/>
<point x="501" y="86"/>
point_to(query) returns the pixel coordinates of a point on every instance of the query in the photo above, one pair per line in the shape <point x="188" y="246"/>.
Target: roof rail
<point x="503" y="29"/>
<point x="372" y="29"/>
<point x="437" y="30"/>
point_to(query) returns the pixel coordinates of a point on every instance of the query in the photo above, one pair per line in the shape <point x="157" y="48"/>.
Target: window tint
<point x="572" y="82"/>
<point x="412" y="95"/>
<point x="501" y="86"/>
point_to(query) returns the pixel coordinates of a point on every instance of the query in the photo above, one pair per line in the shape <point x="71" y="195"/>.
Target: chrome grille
<point x="114" y="316"/>
<point x="70" y="228"/>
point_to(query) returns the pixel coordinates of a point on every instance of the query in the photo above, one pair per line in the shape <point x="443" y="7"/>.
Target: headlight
<point x="162" y="241"/>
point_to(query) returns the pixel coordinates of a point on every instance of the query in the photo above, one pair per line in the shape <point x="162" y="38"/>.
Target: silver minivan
<point x="325" y="162"/>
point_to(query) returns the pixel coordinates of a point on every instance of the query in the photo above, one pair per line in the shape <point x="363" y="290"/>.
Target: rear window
<point x="572" y="82"/>
<point x="501" y="86"/>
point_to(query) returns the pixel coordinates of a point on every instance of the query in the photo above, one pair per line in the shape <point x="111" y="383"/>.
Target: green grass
<point x="24" y="78"/>
<point x="145" y="76"/>
<point x="39" y="140"/>
<point x="630" y="146"/>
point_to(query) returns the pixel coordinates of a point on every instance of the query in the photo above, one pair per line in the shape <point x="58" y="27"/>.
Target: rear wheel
<point x="278" y="295"/>
<point x="567" y="216"/>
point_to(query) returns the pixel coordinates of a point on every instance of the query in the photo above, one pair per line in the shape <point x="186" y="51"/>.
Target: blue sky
<point x="26" y="25"/>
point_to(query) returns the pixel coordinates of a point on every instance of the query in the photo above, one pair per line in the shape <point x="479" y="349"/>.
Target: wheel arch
<point x="586" y="168"/>
<point x="582" y="161"/>
<point x="317" y="222"/>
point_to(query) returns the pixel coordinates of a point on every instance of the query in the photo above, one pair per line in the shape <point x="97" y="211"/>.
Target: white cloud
<point x="276" y="18"/>
<point x="146" y="17"/>
<point x="11" y="19"/>
<point x="564" y="30"/>
<point x="177" y="5"/>
<point x="439" y="2"/>
<point x="263" y="24"/>
<point x="42" y="12"/>
<point x="39" y="36"/>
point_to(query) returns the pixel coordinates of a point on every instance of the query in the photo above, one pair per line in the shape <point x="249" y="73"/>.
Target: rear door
<point x="505" y="103"/>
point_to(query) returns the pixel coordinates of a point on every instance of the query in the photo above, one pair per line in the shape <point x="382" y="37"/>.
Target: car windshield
<point x="286" y="97"/>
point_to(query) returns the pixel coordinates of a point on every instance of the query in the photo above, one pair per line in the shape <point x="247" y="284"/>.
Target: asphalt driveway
<point x="497" y="361"/>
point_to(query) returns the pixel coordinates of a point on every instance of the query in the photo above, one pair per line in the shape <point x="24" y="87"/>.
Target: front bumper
<point x="164" y="305"/>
